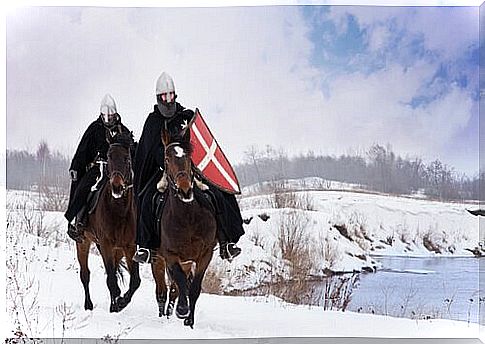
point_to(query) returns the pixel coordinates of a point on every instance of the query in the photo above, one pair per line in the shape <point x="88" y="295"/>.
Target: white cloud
<point x="247" y="69"/>
<point x="363" y="110"/>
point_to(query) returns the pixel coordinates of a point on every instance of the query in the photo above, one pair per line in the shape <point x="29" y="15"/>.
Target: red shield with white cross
<point x="209" y="159"/>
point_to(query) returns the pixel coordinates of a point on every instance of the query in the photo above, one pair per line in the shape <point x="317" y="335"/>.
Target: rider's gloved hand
<point x="73" y="175"/>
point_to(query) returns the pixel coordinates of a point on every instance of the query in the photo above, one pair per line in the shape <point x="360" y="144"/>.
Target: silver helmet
<point x="108" y="111"/>
<point x="165" y="91"/>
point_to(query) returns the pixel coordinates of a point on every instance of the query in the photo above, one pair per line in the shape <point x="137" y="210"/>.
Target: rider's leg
<point x="147" y="237"/>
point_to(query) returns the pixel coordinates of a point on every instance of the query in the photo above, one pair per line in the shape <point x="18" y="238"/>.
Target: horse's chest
<point x="183" y="232"/>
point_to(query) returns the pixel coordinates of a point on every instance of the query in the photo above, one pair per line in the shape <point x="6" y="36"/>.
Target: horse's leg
<point x="158" y="272"/>
<point x="179" y="276"/>
<point x="82" y="256"/>
<point x="134" y="277"/>
<point x="111" y="279"/>
<point x="172" y="297"/>
<point x="196" y="285"/>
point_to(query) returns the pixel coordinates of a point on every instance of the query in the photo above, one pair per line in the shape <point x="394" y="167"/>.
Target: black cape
<point x="93" y="143"/>
<point x="150" y="153"/>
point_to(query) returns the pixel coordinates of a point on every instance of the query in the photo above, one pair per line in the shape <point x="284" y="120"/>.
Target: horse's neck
<point x="181" y="207"/>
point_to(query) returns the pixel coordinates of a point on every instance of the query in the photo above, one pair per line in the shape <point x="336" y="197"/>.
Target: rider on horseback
<point x="148" y="170"/>
<point x="86" y="165"/>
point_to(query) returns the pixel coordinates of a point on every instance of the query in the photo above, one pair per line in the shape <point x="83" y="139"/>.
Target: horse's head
<point x="119" y="164"/>
<point x="178" y="167"/>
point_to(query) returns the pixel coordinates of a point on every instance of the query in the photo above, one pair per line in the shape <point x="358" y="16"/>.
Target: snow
<point x="58" y="282"/>
<point x="47" y="273"/>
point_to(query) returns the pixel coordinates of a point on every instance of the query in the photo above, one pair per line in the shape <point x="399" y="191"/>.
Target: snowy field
<point x="45" y="295"/>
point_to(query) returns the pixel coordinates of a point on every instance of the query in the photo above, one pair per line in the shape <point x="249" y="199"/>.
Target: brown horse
<point x="112" y="226"/>
<point x="187" y="233"/>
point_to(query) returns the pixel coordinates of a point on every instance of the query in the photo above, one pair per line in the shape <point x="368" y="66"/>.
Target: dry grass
<point x="328" y="251"/>
<point x="293" y="243"/>
<point x="338" y="291"/>
<point x="212" y="283"/>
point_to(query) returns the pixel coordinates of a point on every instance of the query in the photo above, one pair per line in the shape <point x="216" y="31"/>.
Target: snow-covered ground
<point x="44" y="285"/>
<point x="55" y="301"/>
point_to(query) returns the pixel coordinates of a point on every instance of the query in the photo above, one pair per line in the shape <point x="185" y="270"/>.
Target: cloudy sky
<point x="331" y="79"/>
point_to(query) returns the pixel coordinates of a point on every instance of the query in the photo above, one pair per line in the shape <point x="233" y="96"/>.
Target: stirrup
<point x="229" y="251"/>
<point x="142" y="255"/>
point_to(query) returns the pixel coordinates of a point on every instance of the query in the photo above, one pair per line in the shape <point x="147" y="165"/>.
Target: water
<point x="446" y="288"/>
<point x="416" y="288"/>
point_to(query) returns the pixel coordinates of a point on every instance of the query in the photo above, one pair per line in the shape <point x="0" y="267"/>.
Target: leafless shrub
<point x="448" y="302"/>
<point x="212" y="282"/>
<point x="22" y="288"/>
<point x="406" y="300"/>
<point x="257" y="238"/>
<point x="293" y="243"/>
<point x="355" y="229"/>
<point x="305" y="201"/>
<point x="122" y="331"/>
<point x="389" y="239"/>
<point x="328" y="250"/>
<point x="435" y="241"/>
<point x="323" y="184"/>
<point x="32" y="220"/>
<point x="387" y="292"/>
<point x="67" y="317"/>
<point x="338" y="291"/>
<point x="403" y="233"/>
<point x="54" y="198"/>
<point x="282" y="196"/>
<point x="297" y="292"/>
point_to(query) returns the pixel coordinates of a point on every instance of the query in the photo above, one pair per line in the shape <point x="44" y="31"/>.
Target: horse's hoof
<point x="189" y="322"/>
<point x="182" y="312"/>
<point x="88" y="305"/>
<point x="169" y="310"/>
<point x="122" y="303"/>
<point x="114" y="308"/>
<point x="161" y="312"/>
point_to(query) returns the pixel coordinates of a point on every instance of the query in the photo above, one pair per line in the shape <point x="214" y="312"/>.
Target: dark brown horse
<point x="187" y="234"/>
<point x="112" y="226"/>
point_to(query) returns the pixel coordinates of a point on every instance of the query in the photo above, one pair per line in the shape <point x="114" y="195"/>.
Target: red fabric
<point x="209" y="159"/>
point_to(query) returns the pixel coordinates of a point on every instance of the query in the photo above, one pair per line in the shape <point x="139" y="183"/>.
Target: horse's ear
<point x="165" y="137"/>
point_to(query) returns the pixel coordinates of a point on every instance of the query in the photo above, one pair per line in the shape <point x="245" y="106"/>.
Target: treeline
<point x="42" y="168"/>
<point x="378" y="169"/>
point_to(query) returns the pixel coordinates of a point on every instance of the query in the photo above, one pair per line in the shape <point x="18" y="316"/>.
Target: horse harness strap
<point x="205" y="198"/>
<point x="171" y="182"/>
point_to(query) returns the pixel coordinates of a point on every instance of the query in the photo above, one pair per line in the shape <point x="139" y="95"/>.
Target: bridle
<point x="112" y="174"/>
<point x="171" y="181"/>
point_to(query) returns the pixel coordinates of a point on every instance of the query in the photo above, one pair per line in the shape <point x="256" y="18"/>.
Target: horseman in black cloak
<point x="148" y="170"/>
<point x="86" y="170"/>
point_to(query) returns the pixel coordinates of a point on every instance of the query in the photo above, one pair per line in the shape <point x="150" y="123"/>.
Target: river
<point x="422" y="287"/>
